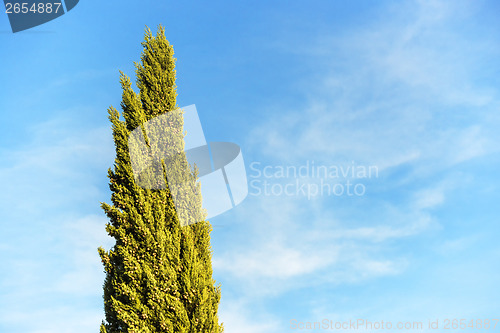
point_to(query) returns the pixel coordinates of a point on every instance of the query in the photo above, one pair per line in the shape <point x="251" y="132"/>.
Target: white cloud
<point x="47" y="170"/>
<point x="238" y="318"/>
<point x="52" y="275"/>
<point x="290" y="244"/>
<point x="403" y="90"/>
<point x="84" y="274"/>
<point x="273" y="261"/>
<point x="64" y="319"/>
<point x="429" y="198"/>
<point x="400" y="93"/>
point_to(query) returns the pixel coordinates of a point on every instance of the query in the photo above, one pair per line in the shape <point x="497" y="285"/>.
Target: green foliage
<point x="158" y="273"/>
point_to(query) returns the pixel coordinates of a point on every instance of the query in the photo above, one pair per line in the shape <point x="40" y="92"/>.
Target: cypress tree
<point x="159" y="271"/>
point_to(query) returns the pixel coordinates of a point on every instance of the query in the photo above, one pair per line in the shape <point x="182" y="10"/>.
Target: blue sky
<point x="409" y="87"/>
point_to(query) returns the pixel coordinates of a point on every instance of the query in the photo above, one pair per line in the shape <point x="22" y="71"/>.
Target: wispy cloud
<point x="238" y="317"/>
<point x="52" y="274"/>
<point x="403" y="92"/>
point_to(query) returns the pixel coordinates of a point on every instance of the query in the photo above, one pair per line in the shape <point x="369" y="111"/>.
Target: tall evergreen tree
<point x="159" y="272"/>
